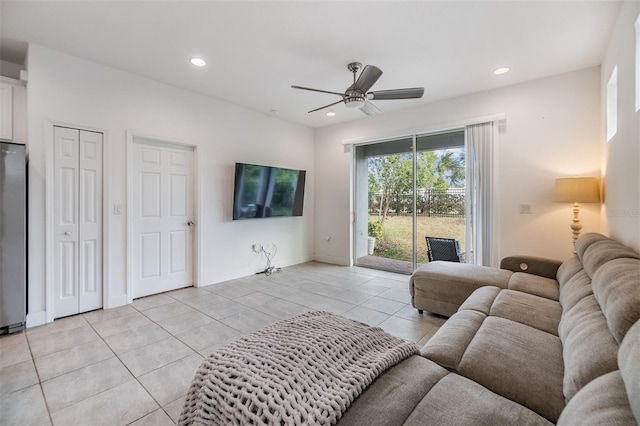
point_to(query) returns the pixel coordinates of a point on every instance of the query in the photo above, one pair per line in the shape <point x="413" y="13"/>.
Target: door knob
<point x="190" y="223"/>
<point x="67" y="233"/>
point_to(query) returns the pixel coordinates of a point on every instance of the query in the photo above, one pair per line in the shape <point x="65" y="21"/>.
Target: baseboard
<point x="334" y="260"/>
<point x="37" y="318"/>
<point x="295" y="261"/>
<point x="246" y="272"/>
<point x="231" y="275"/>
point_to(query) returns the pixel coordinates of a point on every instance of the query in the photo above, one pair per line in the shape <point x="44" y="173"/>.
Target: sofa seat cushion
<point x="441" y="287"/>
<point x="456" y="400"/>
<point x="602" y="402"/>
<point x="391" y="398"/>
<point x="417" y="391"/>
<point x="513" y="360"/>
<point x="533" y="284"/>
<point x="481" y="300"/>
<point x="450" y="342"/>
<point x="534" y="311"/>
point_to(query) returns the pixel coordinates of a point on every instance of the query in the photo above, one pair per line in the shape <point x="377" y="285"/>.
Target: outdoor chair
<point x="447" y="249"/>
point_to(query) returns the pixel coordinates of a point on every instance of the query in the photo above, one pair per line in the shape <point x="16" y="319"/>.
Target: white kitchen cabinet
<point x="6" y="111"/>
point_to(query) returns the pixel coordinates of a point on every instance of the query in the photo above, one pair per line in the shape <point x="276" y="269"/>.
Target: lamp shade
<point x="577" y="190"/>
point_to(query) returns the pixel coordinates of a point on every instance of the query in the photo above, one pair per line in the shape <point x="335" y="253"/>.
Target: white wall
<point x="552" y="130"/>
<point x="69" y="90"/>
<point x="621" y="155"/>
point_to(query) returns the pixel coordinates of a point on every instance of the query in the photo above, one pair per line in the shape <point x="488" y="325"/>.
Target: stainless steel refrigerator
<point x="13" y="238"/>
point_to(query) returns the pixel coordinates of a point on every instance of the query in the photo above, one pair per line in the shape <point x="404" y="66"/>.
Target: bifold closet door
<point x="77" y="221"/>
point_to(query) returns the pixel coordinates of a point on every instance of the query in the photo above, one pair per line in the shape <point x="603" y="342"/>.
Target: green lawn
<point x="398" y="230"/>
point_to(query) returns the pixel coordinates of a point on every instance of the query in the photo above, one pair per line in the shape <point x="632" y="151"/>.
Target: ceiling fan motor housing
<point x="354" y="98"/>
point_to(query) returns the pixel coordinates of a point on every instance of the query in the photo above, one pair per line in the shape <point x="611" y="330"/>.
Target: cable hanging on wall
<point x="269" y="255"/>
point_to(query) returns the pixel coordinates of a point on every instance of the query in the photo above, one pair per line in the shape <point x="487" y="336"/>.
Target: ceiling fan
<point x="357" y="95"/>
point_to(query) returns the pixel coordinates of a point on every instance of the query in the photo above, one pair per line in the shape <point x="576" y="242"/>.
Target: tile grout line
<point x="127" y="368"/>
<point x="323" y="277"/>
<point x="44" y="399"/>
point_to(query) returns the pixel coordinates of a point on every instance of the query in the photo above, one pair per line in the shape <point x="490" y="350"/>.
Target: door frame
<point x="196" y="241"/>
<point x="50" y="226"/>
<point x="410" y="132"/>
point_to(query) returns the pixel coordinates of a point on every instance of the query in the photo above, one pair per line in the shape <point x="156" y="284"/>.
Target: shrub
<point x="375" y="229"/>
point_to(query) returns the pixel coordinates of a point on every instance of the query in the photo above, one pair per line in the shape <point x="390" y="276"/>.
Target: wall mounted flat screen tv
<point x="263" y="191"/>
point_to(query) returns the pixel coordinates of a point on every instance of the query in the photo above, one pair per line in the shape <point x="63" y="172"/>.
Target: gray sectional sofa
<point x="561" y="347"/>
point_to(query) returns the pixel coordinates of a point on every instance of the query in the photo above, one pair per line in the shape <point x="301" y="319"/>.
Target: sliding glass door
<point x="405" y="190"/>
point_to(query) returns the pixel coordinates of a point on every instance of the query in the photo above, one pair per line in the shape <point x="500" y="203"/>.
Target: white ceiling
<point x="256" y="50"/>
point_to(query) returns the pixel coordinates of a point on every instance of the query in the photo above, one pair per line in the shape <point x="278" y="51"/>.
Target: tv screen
<point x="263" y="191"/>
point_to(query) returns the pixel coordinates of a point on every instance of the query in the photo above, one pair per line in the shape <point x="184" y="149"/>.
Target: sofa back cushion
<point x="575" y="289"/>
<point x="601" y="252"/>
<point x="568" y="269"/>
<point x="600" y="298"/>
<point x="616" y="286"/>
<point x="588" y="348"/>
<point x="614" y="398"/>
<point x="629" y="362"/>
<point x="586" y="240"/>
<point x="602" y="402"/>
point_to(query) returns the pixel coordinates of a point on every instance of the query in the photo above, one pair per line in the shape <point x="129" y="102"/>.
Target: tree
<point x="449" y="170"/>
<point x="392" y="174"/>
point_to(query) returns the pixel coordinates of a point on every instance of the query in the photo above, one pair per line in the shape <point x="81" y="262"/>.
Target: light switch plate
<point x="525" y="208"/>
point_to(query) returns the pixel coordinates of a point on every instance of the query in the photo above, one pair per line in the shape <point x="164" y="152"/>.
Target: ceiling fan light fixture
<point x="354" y="102"/>
<point x="370" y="109"/>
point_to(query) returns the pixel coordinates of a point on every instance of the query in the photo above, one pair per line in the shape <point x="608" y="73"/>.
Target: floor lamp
<point x="577" y="190"/>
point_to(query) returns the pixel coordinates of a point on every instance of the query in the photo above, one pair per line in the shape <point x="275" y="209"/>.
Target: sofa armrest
<point x="540" y="266"/>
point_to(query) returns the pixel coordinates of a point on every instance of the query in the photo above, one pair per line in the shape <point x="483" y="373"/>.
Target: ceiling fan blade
<point x="370" y="109"/>
<point x="369" y="75"/>
<point x="326" y="106"/>
<point x="413" y="93"/>
<point x="317" y="90"/>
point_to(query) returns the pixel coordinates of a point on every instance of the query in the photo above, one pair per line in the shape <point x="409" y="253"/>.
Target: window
<point x="612" y="104"/>
<point x="638" y="64"/>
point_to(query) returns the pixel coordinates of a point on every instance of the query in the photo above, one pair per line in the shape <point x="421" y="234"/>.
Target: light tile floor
<point x="133" y="365"/>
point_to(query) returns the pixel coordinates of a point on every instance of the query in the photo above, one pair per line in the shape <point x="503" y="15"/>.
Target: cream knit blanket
<point x="304" y="370"/>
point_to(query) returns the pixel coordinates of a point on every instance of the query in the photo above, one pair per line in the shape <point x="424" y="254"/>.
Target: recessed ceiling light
<point x="501" y="71"/>
<point x="331" y="114"/>
<point x="198" y="62"/>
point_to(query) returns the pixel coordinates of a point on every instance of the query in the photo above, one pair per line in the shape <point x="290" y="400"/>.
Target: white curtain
<point x="480" y="176"/>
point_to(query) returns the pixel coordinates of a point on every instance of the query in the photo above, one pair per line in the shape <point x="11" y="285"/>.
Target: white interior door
<point x="161" y="217"/>
<point x="77" y="221"/>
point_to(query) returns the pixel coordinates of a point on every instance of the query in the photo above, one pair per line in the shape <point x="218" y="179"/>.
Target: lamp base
<point x="576" y="226"/>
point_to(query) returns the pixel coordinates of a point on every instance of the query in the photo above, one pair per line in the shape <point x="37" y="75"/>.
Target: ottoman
<point x="441" y="287"/>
